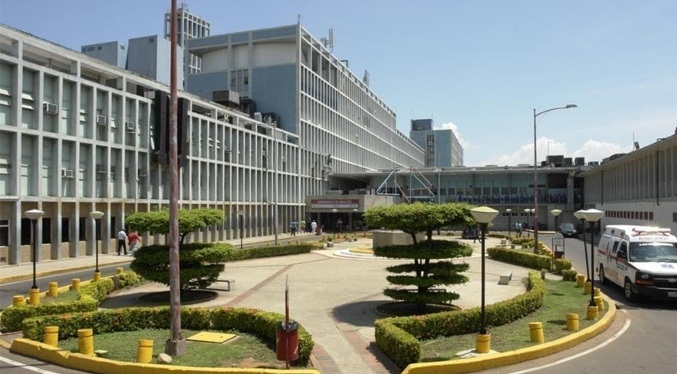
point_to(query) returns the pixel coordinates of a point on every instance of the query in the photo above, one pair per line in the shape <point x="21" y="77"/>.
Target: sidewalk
<point x="332" y="293"/>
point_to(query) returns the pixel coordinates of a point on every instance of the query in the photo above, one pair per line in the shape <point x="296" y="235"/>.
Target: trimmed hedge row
<point x="89" y="298"/>
<point x="262" y="252"/>
<point x="253" y="321"/>
<point x="399" y="337"/>
<point x="525" y="259"/>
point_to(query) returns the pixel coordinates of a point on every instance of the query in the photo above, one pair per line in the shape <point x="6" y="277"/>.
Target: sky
<point x="479" y="67"/>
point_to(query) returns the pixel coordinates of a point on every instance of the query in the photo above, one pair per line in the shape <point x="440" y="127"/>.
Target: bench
<point x="198" y="284"/>
<point x="505" y="278"/>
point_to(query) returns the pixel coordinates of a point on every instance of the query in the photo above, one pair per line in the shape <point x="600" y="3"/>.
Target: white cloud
<point x="591" y="150"/>
<point x="594" y="150"/>
<point x="452" y="126"/>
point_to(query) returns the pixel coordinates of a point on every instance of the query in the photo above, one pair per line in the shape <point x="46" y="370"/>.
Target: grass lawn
<point x="63" y="297"/>
<point x="561" y="298"/>
<point x="245" y="351"/>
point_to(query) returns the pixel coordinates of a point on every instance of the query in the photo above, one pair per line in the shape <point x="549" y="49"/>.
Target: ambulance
<point x="641" y="259"/>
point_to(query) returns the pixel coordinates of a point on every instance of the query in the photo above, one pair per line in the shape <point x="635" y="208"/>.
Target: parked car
<point x="568" y="230"/>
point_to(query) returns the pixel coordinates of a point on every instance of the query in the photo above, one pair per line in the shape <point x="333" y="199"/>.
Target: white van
<point x="641" y="259"/>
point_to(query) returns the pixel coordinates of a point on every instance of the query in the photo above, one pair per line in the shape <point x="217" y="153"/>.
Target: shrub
<point x="253" y="321"/>
<point x="569" y="275"/>
<point x="88" y="300"/>
<point x="521" y="258"/>
<point x="398" y="337"/>
<point x="561" y="265"/>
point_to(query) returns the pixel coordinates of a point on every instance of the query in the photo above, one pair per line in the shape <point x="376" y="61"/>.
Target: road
<point x="641" y="340"/>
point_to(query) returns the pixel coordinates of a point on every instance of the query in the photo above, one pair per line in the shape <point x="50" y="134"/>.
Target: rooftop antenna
<point x="365" y="78"/>
<point x="328" y="42"/>
<point x="298" y="18"/>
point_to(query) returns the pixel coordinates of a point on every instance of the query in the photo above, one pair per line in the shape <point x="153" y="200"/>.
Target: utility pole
<point x="175" y="345"/>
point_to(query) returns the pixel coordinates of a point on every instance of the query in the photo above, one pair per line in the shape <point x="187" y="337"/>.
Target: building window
<point x="4" y="232"/>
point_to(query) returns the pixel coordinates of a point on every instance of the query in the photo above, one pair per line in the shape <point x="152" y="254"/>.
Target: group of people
<point x="133" y="238"/>
<point x="303" y="226"/>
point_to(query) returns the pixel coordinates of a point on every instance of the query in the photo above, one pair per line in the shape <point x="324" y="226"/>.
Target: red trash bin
<point x="287" y="333"/>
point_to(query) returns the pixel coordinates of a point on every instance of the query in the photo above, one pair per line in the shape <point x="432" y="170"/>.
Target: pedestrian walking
<point x="122" y="241"/>
<point x="313" y="227"/>
<point x="134" y="239"/>
<point x="293" y="226"/>
<point x="518" y="229"/>
<point x="302" y="226"/>
<point x="339" y="225"/>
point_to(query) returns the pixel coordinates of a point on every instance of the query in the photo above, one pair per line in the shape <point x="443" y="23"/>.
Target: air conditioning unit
<point x="50" y="108"/>
<point x="131" y="126"/>
<point x="101" y="169"/>
<point x="258" y="117"/>
<point x="67" y="173"/>
<point x="101" y="119"/>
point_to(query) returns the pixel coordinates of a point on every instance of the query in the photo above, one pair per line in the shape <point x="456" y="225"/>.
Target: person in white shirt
<point x="122" y="241"/>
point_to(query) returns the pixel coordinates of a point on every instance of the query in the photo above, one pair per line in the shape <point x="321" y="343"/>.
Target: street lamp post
<point x="529" y="213"/>
<point x="556" y="213"/>
<point x="509" y="211"/>
<point x="592" y="216"/>
<point x="241" y="215"/>
<point x="483" y="215"/>
<point x="568" y="106"/>
<point x="34" y="215"/>
<point x="579" y="214"/>
<point x="96" y="216"/>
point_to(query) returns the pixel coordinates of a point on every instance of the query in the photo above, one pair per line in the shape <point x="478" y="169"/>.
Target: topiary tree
<point x="431" y="265"/>
<point x="200" y="263"/>
<point x="190" y="220"/>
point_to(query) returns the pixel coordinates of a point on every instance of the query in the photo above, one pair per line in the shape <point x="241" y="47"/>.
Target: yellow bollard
<point x="598" y="292"/>
<point x="483" y="343"/>
<point x="86" y="342"/>
<point x="19" y="300"/>
<point x="580" y="280"/>
<point x="144" y="353"/>
<point x="593" y="313"/>
<point x="536" y="332"/>
<point x="588" y="288"/>
<point x="34" y="296"/>
<point x="75" y="284"/>
<point x="572" y="321"/>
<point x="51" y="336"/>
<point x="119" y="271"/>
<point x="599" y="302"/>
<point x="53" y="289"/>
<point x="97" y="276"/>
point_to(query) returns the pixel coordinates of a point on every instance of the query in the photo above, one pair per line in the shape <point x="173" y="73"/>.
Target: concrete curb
<point x="470" y="365"/>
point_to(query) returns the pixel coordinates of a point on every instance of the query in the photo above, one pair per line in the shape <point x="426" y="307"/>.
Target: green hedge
<point x="89" y="298"/>
<point x="399" y="337"/>
<point x="521" y="258"/>
<point x="253" y="321"/>
<point x="262" y="252"/>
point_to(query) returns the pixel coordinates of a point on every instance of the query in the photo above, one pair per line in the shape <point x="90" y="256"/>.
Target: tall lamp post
<point x="96" y="215"/>
<point x="556" y="213"/>
<point x="509" y="211"/>
<point x="592" y="216"/>
<point x="483" y="215"/>
<point x="579" y="214"/>
<point x="529" y="213"/>
<point x="241" y="215"/>
<point x="536" y="114"/>
<point x="34" y="215"/>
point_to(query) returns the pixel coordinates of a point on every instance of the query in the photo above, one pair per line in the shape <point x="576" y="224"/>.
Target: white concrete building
<point x="79" y="135"/>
